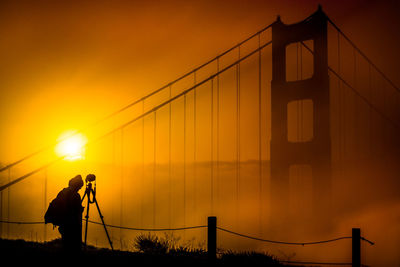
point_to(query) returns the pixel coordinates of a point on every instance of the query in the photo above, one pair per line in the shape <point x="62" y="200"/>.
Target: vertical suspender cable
<point x="260" y="204"/>
<point x="340" y="110"/>
<point x="194" y="145"/>
<point x="154" y="167"/>
<point x="301" y="101"/>
<point x="217" y="145"/>
<point x="383" y="131"/>
<point x="169" y="161"/>
<point x="8" y="203"/>
<point x="299" y="63"/>
<point x="143" y="171"/>
<point x="114" y="187"/>
<point x="121" y="215"/>
<point x="299" y="106"/>
<point x="343" y="102"/>
<point x="45" y="203"/>
<point x="370" y="109"/>
<point x="356" y="139"/>
<point x="301" y="114"/>
<point x="184" y="161"/>
<point x="298" y="70"/>
<point x="212" y="149"/>
<point x="237" y="135"/>
<point x="386" y="105"/>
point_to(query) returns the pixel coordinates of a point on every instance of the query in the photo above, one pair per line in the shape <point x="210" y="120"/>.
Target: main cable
<point x="144" y="114"/>
<point x="362" y="54"/>
<point x="395" y="124"/>
<point x="137" y="101"/>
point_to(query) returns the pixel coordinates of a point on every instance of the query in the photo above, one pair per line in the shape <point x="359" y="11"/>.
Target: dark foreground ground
<point x="23" y="253"/>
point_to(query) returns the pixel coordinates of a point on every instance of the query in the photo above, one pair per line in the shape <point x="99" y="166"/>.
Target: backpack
<point x="55" y="213"/>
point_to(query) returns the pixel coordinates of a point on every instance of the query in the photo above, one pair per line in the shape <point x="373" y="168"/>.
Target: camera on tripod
<point x="92" y="191"/>
<point x="90" y="178"/>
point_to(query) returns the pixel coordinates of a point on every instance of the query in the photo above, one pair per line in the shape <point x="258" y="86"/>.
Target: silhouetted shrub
<point x="151" y="244"/>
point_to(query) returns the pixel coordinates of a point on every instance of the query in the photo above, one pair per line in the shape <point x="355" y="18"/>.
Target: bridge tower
<point x="315" y="153"/>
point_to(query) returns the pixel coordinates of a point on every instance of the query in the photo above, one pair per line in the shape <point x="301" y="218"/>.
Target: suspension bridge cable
<point x="342" y="110"/>
<point x="169" y="159"/>
<point x="121" y="215"/>
<point x="355" y="104"/>
<point x="195" y="139"/>
<point x="301" y="117"/>
<point x="184" y="160"/>
<point x="362" y="54"/>
<point x="114" y="188"/>
<point x="187" y="74"/>
<point x="260" y="205"/>
<point x="143" y="168"/>
<point x="297" y="102"/>
<point x="395" y="124"/>
<point x="237" y="135"/>
<point x="45" y="202"/>
<point x="193" y="71"/>
<point x="137" y="101"/>
<point x="142" y="115"/>
<point x="154" y="166"/>
<point x="212" y="148"/>
<point x="370" y="110"/>
<point x="10" y="183"/>
<point x="217" y="141"/>
<point x="8" y="202"/>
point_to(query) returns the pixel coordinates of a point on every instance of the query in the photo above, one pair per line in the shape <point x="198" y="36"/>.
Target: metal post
<point x="212" y="238"/>
<point x="356" y="247"/>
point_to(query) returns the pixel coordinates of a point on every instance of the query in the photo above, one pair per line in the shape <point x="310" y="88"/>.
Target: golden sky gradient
<point x="65" y="64"/>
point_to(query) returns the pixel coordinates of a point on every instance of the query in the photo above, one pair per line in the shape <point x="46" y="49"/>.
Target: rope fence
<point x="150" y="229"/>
<point x="283" y="242"/>
<point x="198" y="227"/>
<point x="212" y="239"/>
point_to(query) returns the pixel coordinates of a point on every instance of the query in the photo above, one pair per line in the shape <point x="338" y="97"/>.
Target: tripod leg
<point x="84" y="195"/>
<point x="87" y="217"/>
<point x="102" y="220"/>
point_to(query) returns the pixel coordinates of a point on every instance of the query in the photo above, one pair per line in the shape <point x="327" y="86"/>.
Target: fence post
<point x="356" y="247"/>
<point x="212" y="238"/>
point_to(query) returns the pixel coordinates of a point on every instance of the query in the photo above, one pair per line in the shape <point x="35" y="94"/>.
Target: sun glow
<point x="72" y="146"/>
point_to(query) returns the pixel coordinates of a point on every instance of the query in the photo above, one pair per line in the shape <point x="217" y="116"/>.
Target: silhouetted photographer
<point x="65" y="211"/>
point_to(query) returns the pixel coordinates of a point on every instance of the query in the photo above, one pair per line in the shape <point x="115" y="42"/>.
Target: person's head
<point x="76" y="183"/>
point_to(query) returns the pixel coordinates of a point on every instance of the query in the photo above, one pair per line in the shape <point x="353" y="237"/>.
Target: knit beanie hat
<point x="76" y="182"/>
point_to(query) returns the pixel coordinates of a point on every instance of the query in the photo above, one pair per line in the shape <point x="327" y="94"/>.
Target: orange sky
<point x="65" y="64"/>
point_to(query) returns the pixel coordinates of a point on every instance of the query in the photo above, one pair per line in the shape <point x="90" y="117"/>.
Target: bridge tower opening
<point x="313" y="152"/>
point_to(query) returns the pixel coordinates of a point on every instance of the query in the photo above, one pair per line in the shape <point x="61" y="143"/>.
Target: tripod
<point x="89" y="190"/>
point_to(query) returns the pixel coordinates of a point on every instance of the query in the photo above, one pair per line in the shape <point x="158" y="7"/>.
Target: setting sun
<point x="73" y="147"/>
